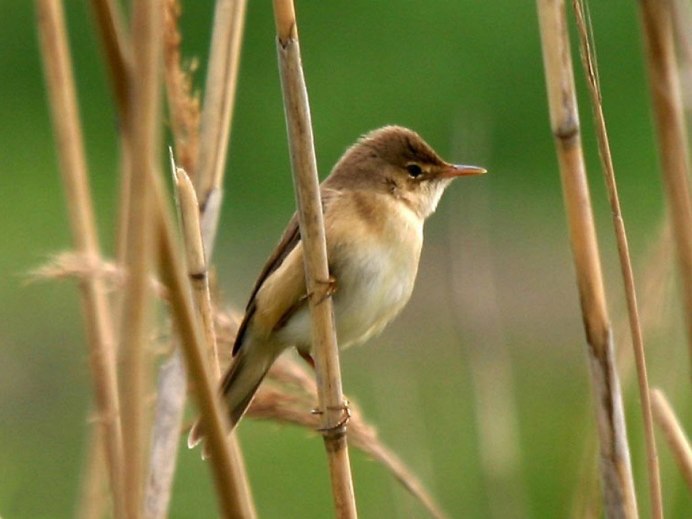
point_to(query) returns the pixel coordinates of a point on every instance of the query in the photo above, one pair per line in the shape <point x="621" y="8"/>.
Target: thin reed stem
<point x="674" y="434"/>
<point x="616" y="472"/>
<point x="118" y="53"/>
<point x="70" y="146"/>
<point x="117" y="48"/>
<point x="669" y="118"/>
<point x="219" y="99"/>
<point x="93" y="488"/>
<point x="588" y="60"/>
<point x="306" y="183"/>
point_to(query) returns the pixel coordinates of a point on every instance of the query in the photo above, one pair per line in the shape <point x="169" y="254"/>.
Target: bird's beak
<point x="460" y="170"/>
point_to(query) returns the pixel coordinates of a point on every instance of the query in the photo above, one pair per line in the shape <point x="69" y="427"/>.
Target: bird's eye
<point x="414" y="169"/>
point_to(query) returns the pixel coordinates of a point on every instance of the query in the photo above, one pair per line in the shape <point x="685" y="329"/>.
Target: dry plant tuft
<point x="74" y="265"/>
<point x="184" y="104"/>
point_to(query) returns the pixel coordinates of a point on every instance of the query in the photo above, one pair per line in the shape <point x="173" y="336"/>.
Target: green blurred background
<point x="468" y="76"/>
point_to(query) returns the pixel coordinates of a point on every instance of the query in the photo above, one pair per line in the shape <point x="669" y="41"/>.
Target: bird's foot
<point x="343" y="420"/>
<point x="329" y="291"/>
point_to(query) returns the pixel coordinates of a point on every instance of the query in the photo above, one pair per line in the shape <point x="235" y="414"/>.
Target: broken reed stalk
<point x="674" y="434"/>
<point x="213" y="417"/>
<point x="590" y="67"/>
<point x="616" y="472"/>
<point x="95" y="305"/>
<point x="219" y="99"/>
<point x="669" y="118"/>
<point x="196" y="262"/>
<point x="138" y="253"/>
<point x="306" y="183"/>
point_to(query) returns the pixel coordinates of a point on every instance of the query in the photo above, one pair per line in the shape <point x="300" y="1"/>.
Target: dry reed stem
<point x="616" y="471"/>
<point x="674" y="434"/>
<point x="672" y="137"/>
<point x="99" y="327"/>
<point x="219" y="98"/>
<point x="93" y="488"/>
<point x="117" y="48"/>
<point x="588" y="60"/>
<point x="134" y="323"/>
<point x="228" y="481"/>
<point x="306" y="183"/>
<point x="118" y="52"/>
<point x="165" y="437"/>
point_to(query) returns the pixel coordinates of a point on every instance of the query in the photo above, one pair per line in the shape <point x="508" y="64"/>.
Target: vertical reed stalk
<point x="299" y="128"/>
<point x="616" y="472"/>
<point x="145" y="97"/>
<point x="672" y="137"/>
<point x="100" y="332"/>
<point x="94" y="497"/>
<point x="117" y="48"/>
<point x="589" y="64"/>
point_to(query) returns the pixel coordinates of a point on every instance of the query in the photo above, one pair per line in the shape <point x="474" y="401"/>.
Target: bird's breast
<point x="375" y="262"/>
<point x="373" y="256"/>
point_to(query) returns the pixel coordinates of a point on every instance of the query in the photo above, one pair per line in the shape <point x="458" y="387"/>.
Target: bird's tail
<point x="239" y="385"/>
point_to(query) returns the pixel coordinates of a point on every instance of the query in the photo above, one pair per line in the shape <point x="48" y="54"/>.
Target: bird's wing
<point x="284" y="293"/>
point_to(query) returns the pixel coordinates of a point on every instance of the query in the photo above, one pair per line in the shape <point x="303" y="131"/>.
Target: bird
<point x="375" y="202"/>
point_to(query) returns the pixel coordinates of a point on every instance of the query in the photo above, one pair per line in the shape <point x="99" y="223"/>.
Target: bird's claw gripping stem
<point x="345" y="417"/>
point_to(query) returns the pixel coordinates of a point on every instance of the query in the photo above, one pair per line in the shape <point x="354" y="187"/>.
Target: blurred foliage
<point x="468" y="76"/>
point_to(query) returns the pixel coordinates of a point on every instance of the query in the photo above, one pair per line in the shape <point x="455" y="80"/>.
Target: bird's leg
<point x="307" y="358"/>
<point x="345" y="417"/>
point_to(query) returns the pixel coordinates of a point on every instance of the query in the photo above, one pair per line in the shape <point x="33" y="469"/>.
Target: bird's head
<point x="398" y="161"/>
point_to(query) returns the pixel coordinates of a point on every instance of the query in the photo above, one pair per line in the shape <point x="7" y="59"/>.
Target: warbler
<point x="374" y="202"/>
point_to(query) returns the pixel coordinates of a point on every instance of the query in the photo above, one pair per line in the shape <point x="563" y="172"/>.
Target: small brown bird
<point x="375" y="202"/>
